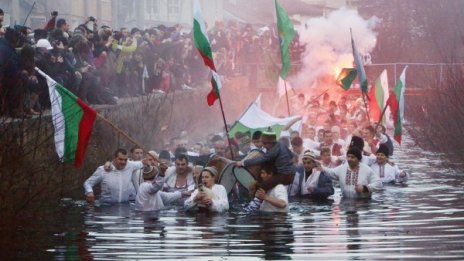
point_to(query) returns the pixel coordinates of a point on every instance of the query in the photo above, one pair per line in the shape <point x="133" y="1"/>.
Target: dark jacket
<point x="323" y="190"/>
<point x="280" y="155"/>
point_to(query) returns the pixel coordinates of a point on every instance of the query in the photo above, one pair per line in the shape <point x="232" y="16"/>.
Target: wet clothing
<point x="320" y="181"/>
<point x="279" y="192"/>
<point x="348" y="179"/>
<point x="220" y="200"/>
<point x="151" y="198"/>
<point x="116" y="185"/>
<point x="388" y="173"/>
<point x="170" y="183"/>
<point x="137" y="179"/>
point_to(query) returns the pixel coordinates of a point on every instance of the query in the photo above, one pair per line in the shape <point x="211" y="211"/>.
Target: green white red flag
<point x="203" y="46"/>
<point x="396" y="103"/>
<point x="72" y="120"/>
<point x="378" y="96"/>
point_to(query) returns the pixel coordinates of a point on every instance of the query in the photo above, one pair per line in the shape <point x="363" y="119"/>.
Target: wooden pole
<point x="118" y="130"/>
<point x="286" y="96"/>
<point x="30" y="11"/>
<point x="365" y="106"/>
<point x="381" y="116"/>
<point x="315" y="98"/>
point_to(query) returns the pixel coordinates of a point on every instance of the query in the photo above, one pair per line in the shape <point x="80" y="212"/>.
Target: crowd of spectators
<point x="99" y="64"/>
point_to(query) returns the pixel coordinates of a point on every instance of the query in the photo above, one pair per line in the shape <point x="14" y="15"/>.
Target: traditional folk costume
<point x="361" y="175"/>
<point x="388" y="173"/>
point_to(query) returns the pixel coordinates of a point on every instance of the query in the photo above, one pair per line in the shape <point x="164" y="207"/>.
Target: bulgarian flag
<point x="359" y="67"/>
<point x="396" y="103"/>
<point x="203" y="46"/>
<point x="73" y="121"/>
<point x="378" y="96"/>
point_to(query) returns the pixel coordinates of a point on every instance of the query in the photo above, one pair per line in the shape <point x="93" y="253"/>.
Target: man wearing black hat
<point x="358" y="142"/>
<point x="387" y="173"/>
<point x="356" y="179"/>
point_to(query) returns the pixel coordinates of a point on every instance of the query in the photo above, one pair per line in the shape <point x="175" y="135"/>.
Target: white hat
<point x="44" y="43"/>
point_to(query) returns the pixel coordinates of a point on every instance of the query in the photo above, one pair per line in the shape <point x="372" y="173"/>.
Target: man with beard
<point x="356" y="179"/>
<point x="180" y="178"/>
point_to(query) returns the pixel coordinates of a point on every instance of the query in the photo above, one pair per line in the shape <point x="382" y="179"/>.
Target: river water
<point x="421" y="220"/>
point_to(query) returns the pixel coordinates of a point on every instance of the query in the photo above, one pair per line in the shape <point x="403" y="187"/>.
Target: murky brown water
<point x="424" y="220"/>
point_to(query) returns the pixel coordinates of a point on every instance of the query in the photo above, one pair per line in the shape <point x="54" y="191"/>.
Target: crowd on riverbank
<point x="100" y="64"/>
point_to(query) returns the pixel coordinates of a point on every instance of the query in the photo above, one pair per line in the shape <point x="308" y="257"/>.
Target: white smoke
<point x="328" y="44"/>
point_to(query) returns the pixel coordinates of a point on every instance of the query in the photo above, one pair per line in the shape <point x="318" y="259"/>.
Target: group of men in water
<point x="153" y="183"/>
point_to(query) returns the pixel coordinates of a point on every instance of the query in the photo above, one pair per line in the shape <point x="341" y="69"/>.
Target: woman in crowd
<point x="209" y="196"/>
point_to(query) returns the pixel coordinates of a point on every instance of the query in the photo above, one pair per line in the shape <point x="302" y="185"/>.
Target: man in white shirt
<point x="116" y="184"/>
<point x="357" y="180"/>
<point x="387" y="173"/>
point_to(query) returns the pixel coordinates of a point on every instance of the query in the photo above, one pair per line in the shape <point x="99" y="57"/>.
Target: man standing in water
<point x="180" y="178"/>
<point x="356" y="179"/>
<point x="309" y="182"/>
<point x="116" y="183"/>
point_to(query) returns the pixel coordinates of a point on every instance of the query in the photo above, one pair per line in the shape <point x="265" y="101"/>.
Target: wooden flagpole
<point x="381" y="116"/>
<point x="365" y="106"/>
<point x="286" y="96"/>
<point x="125" y="135"/>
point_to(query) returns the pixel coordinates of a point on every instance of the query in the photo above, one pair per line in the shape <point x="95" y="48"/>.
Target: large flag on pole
<point x="378" y="96"/>
<point x="203" y="46"/>
<point x="359" y="67"/>
<point x="396" y="103"/>
<point x="286" y="35"/>
<point x="73" y="121"/>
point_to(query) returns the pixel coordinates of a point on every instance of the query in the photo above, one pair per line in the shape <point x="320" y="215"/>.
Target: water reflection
<point x="423" y="220"/>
